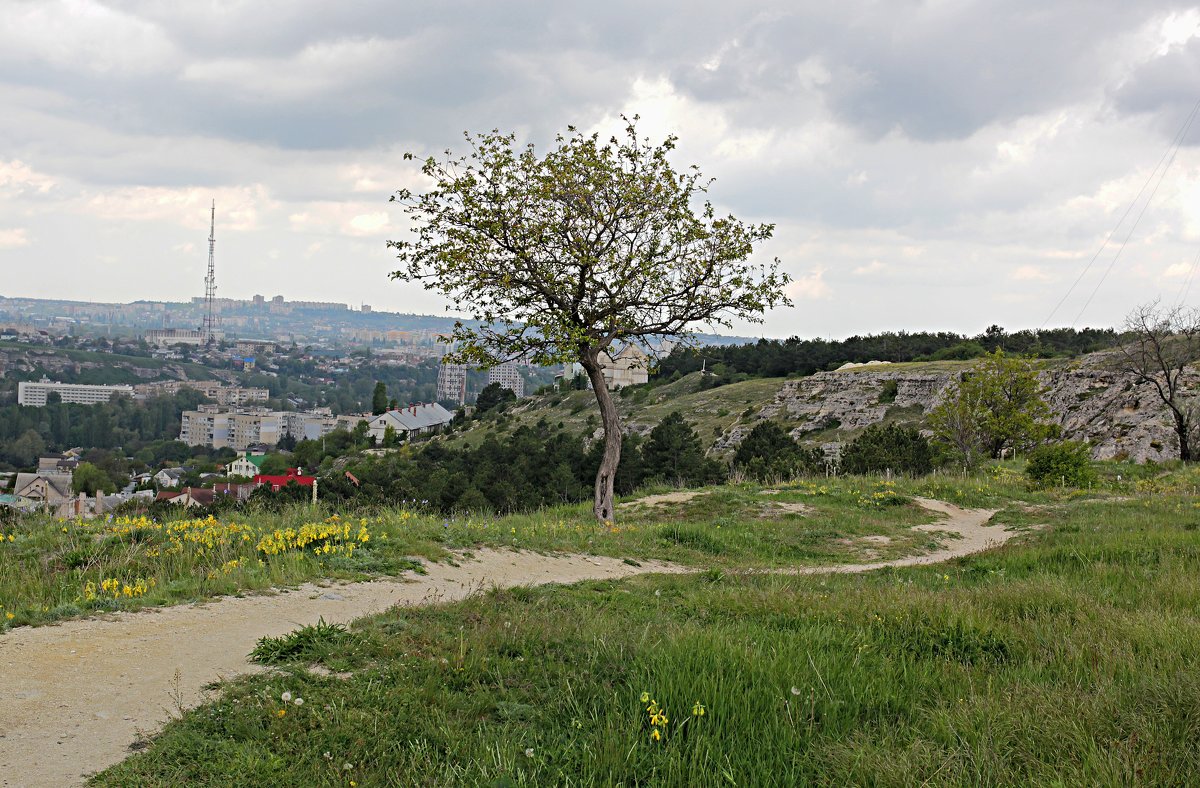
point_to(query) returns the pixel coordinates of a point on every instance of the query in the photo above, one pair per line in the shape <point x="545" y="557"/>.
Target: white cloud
<point x="872" y="267"/>
<point x="13" y="238"/>
<point x="368" y="224"/>
<point x="1030" y="273"/>
<point x="810" y="286"/>
<point x="83" y="35"/>
<point x="238" y="208"/>
<point x="17" y="177"/>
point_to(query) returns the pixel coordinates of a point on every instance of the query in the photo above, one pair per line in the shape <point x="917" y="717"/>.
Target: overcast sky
<point x="929" y="165"/>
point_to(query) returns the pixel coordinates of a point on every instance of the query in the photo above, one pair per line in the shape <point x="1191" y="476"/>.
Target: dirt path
<point x="971" y="526"/>
<point x="74" y="696"/>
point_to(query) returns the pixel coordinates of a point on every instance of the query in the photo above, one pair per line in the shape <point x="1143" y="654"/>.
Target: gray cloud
<point x="991" y="143"/>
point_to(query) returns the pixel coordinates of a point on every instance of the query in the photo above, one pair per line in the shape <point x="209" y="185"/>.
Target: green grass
<point x="47" y="564"/>
<point x="1066" y="658"/>
<point x="708" y="411"/>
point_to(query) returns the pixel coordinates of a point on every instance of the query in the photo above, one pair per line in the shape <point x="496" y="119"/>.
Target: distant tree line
<point x="795" y="356"/>
<point x="148" y="426"/>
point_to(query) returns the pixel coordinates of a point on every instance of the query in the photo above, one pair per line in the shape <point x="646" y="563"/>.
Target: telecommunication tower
<point x="210" y="285"/>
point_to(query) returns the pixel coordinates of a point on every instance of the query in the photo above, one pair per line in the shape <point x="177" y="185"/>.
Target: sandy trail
<point x="73" y="697"/>
<point x="971" y="526"/>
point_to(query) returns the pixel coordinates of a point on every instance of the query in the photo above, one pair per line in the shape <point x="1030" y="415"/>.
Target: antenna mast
<point x="210" y="284"/>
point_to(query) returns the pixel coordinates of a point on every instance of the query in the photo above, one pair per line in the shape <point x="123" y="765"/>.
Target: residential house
<point x="188" y="496"/>
<point x="248" y="465"/>
<point x="412" y="420"/>
<point x="293" y="476"/>
<point x="169" y="477"/>
<point x="51" y="491"/>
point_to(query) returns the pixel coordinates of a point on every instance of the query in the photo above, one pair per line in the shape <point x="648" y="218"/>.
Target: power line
<point x="1167" y="157"/>
<point x="1162" y="176"/>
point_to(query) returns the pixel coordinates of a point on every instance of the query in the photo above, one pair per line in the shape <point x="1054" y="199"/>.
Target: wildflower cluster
<point x="656" y="716"/>
<point x="884" y="495"/>
<point x="227" y="568"/>
<point x="657" y="720"/>
<point x="200" y="535"/>
<point x="331" y="537"/>
<point x="113" y="588"/>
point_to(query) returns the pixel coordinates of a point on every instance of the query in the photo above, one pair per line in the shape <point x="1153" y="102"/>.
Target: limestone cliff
<point x="1090" y="401"/>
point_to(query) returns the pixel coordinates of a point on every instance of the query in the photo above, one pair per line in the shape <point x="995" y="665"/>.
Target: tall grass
<point x="1066" y="658"/>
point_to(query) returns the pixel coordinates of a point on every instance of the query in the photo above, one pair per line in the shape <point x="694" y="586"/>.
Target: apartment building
<point x="239" y="428"/>
<point x="36" y="393"/>
<point x="214" y="390"/>
<point x="452" y="383"/>
<point x="216" y="426"/>
<point x="508" y="375"/>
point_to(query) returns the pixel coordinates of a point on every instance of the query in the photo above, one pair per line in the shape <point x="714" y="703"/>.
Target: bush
<point x="892" y="448"/>
<point x="887" y="394"/>
<point x="769" y="453"/>
<point x="1068" y="463"/>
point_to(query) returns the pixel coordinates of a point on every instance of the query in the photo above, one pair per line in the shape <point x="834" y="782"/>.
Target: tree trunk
<point x="1182" y="428"/>
<point x="602" y="504"/>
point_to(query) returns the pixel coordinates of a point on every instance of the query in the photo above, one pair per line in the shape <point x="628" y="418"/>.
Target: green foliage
<point x="87" y="479"/>
<point x="308" y="643"/>
<point x="998" y="406"/>
<point x="493" y="396"/>
<point x="894" y="448"/>
<point x="379" y="398"/>
<point x="769" y="453"/>
<point x="673" y="453"/>
<point x="274" y="465"/>
<point x="796" y="356"/>
<point x="888" y="392"/>
<point x="1066" y="463"/>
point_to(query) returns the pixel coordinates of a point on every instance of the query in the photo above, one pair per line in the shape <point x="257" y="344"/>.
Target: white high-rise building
<point x="452" y="383"/>
<point x="508" y="375"/>
<point x="35" y="393"/>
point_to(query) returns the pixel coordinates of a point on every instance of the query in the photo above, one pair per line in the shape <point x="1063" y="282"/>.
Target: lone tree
<point x="1162" y="342"/>
<point x="559" y="257"/>
<point x="997" y="407"/>
<point x="379" y="399"/>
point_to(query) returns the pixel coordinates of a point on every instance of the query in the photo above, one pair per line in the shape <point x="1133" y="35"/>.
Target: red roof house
<point x="278" y="482"/>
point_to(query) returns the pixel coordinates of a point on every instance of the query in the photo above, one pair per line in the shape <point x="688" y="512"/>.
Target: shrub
<point x="1068" y="463"/>
<point x="770" y="453"/>
<point x="892" y="448"/>
<point x="887" y="394"/>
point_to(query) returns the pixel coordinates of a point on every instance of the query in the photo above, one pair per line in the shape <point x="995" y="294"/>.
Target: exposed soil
<point x="76" y="696"/>
<point x="664" y="499"/>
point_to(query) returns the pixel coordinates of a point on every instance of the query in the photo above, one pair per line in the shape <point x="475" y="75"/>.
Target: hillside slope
<point x="1090" y="402"/>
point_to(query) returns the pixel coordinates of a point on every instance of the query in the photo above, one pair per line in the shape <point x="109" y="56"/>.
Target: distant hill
<point x="827" y="409"/>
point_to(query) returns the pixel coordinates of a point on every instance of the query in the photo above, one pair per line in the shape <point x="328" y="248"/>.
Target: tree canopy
<point x="560" y="257"/>
<point x="1163" y="343"/>
<point x="998" y="406"/>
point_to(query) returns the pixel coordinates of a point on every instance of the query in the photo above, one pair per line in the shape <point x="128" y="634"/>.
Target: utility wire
<point x="1186" y="287"/>
<point x="1168" y="156"/>
<point x="1161" y="177"/>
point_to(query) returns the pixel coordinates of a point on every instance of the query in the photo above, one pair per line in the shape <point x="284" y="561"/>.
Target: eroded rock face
<point x="1090" y="401"/>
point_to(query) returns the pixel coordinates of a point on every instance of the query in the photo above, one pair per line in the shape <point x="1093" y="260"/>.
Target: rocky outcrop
<point x="1090" y="401"/>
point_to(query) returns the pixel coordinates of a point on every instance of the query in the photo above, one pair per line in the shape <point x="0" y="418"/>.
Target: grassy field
<point x="52" y="569"/>
<point x="1067" y="657"/>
